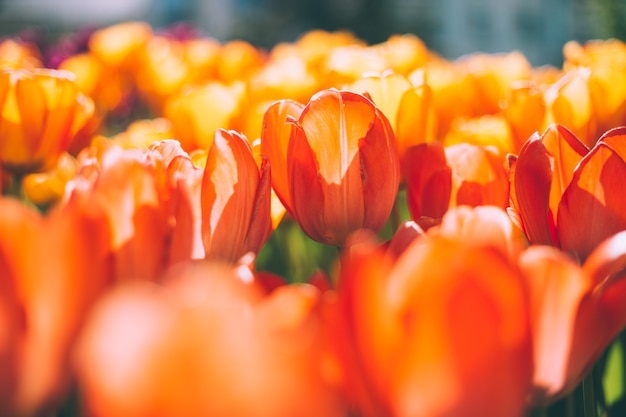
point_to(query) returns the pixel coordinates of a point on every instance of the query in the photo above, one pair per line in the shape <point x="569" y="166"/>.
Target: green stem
<point x="589" y="396"/>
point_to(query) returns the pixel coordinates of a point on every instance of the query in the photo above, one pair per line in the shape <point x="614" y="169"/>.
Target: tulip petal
<point x="530" y="191"/>
<point x="556" y="288"/>
<point x="275" y="136"/>
<point x="428" y="180"/>
<point x="592" y="208"/>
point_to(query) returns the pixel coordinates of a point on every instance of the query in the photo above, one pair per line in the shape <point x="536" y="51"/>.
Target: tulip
<point x="228" y="196"/>
<point x="409" y="108"/>
<point x="235" y="198"/>
<point x="607" y="82"/>
<point x="168" y="65"/>
<point x="19" y="55"/>
<point x="564" y="194"/>
<point x="118" y="46"/>
<point x="45" y="188"/>
<point x="125" y="185"/>
<point x="342" y="168"/>
<point x="575" y="312"/>
<point x="439" y="178"/>
<point x="208" y="342"/>
<point x="441" y="330"/>
<point x="41" y="112"/>
<point x="188" y="112"/>
<point x="52" y="268"/>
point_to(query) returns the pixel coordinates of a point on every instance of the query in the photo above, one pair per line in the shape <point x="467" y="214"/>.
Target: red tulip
<point x="564" y="194"/>
<point x="342" y="168"/>
<point x="439" y="178"/>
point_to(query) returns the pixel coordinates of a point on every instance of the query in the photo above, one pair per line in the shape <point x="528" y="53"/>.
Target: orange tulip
<point x="607" y="81"/>
<point x="564" y="194"/>
<point x="188" y="112"/>
<point x="41" y="111"/>
<point x="119" y="46"/>
<point x="229" y="197"/>
<point x="575" y="312"/>
<point x="19" y="55"/>
<point x="51" y="270"/>
<point x="339" y="169"/>
<point x="439" y="178"/>
<point x="46" y="188"/>
<point x="207" y="343"/>
<point x="235" y="198"/>
<point x="432" y="333"/>
<point x="409" y="108"/>
<point x="126" y="185"/>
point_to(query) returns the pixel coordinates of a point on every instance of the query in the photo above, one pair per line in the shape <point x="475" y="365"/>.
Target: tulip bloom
<point x="235" y="198"/>
<point x="337" y="163"/>
<point x="439" y="178"/>
<point x="442" y="330"/>
<point x="41" y="111"/>
<point x="564" y="194"/>
<point x="409" y="108"/>
<point x="208" y="342"/>
<point x="52" y="268"/>
<point x="188" y="112"/>
<point x="575" y="312"/>
<point x="229" y="197"/>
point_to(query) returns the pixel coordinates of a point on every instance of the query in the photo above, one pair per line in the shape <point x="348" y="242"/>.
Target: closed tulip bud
<point x="235" y="199"/>
<point x="342" y="166"/>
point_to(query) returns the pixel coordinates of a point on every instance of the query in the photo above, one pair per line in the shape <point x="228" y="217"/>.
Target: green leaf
<point x="613" y="378"/>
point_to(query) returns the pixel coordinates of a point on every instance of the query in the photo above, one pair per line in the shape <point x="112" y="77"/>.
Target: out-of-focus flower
<point x="607" y="79"/>
<point x="198" y="113"/>
<point x="168" y="65"/>
<point x="46" y="188"/>
<point x="337" y="163"/>
<point x="140" y="134"/>
<point x="52" y="268"/>
<point x="246" y="353"/>
<point x="564" y="194"/>
<point x="524" y="109"/>
<point x="404" y="53"/>
<point x="439" y="178"/>
<point x="432" y="333"/>
<point x="129" y="186"/>
<point x="575" y="312"/>
<point x="409" y="108"/>
<point x="474" y="85"/>
<point x="235" y="199"/>
<point x="487" y="130"/>
<point x="19" y="55"/>
<point x="286" y="75"/>
<point x="41" y="113"/>
<point x="119" y="46"/>
<point x="568" y="103"/>
<point x="239" y="61"/>
<point x="104" y="84"/>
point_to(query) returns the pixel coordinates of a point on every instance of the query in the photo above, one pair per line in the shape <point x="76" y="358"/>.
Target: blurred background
<point x="537" y="28"/>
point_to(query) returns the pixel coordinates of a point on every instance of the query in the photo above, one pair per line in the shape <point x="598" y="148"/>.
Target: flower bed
<point x="328" y="228"/>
